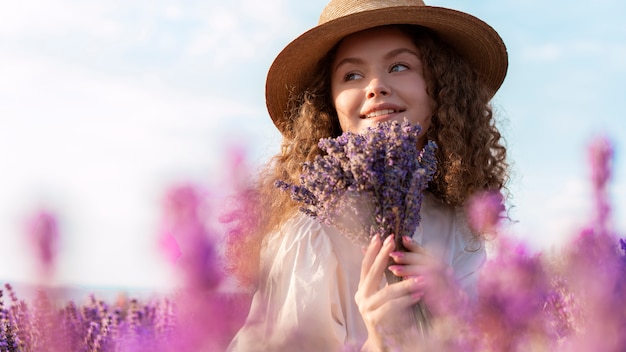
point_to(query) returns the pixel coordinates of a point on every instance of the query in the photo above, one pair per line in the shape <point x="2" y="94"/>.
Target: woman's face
<point x="376" y="76"/>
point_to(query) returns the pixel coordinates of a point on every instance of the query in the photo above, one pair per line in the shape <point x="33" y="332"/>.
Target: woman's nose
<point x="377" y="87"/>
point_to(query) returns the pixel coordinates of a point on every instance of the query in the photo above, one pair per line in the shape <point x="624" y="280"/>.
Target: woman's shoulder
<point x="298" y="301"/>
<point x="441" y="222"/>
<point x="446" y="232"/>
<point x="303" y="238"/>
<point x="435" y="211"/>
<point x="297" y="228"/>
<point x="300" y="234"/>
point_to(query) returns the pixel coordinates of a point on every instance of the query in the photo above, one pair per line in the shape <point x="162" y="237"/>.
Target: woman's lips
<point x="379" y="113"/>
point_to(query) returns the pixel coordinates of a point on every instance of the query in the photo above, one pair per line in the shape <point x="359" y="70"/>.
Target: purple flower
<point x="601" y="160"/>
<point x="485" y="211"/>
<point x="42" y="231"/>
<point x="186" y="235"/>
<point x="368" y="184"/>
<point x="513" y="291"/>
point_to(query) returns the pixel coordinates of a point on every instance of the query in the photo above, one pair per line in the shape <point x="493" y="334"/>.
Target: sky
<point x="104" y="105"/>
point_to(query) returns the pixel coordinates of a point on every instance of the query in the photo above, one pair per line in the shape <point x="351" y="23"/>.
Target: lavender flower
<point x="572" y="301"/>
<point x="368" y="184"/>
<point x="42" y="231"/>
<point x="205" y="320"/>
<point x="514" y="288"/>
<point x="5" y="329"/>
<point x="600" y="153"/>
<point x="186" y="239"/>
<point x="485" y="210"/>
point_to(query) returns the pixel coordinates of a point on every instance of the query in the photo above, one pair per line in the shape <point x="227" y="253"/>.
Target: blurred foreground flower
<point x="188" y="241"/>
<point x="569" y="300"/>
<point x="601" y="165"/>
<point x="514" y="287"/>
<point x="43" y="236"/>
<point x="593" y="267"/>
<point x="485" y="211"/>
<point x="207" y="316"/>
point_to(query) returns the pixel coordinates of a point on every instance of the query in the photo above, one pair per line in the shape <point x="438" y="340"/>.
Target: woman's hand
<point x="386" y="311"/>
<point x="439" y="289"/>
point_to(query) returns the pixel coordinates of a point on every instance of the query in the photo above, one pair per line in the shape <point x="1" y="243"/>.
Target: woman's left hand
<point x="441" y="293"/>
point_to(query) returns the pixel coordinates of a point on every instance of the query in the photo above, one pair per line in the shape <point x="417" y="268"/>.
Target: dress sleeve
<point x="444" y="232"/>
<point x="297" y="305"/>
<point x="468" y="259"/>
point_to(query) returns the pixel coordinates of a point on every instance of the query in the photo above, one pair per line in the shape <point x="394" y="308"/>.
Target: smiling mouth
<point x="380" y="113"/>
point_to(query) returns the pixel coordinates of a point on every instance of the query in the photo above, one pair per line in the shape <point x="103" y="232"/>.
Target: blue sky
<point x="104" y="104"/>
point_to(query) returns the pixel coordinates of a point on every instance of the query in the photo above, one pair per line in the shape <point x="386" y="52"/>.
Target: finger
<point x="401" y="294"/>
<point x="411" y="264"/>
<point x="410" y="258"/>
<point x="370" y="254"/>
<point x="413" y="246"/>
<point x="414" y="254"/>
<point x="372" y="277"/>
<point x="435" y="277"/>
<point x="406" y="271"/>
<point x="395" y="308"/>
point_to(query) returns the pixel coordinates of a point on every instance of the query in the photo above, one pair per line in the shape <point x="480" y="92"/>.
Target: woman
<point x="366" y="62"/>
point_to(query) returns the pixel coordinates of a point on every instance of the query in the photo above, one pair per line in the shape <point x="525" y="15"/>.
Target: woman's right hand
<point x="385" y="308"/>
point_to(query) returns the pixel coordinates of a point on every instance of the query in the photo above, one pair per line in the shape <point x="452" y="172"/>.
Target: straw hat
<point x="473" y="39"/>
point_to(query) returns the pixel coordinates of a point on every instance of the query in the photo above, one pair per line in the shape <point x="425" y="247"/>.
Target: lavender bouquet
<point x="370" y="184"/>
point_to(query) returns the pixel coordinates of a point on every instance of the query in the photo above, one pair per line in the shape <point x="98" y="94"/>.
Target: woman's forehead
<point x="376" y="39"/>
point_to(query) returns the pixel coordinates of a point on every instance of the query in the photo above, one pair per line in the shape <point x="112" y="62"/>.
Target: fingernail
<point x="394" y="268"/>
<point x="388" y="239"/>
<point x="397" y="255"/>
<point x="374" y="238"/>
<point x="416" y="296"/>
<point x="407" y="239"/>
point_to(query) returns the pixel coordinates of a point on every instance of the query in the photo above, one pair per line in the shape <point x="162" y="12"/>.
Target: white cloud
<point x="556" y="209"/>
<point x="27" y="18"/>
<point x="602" y="51"/>
<point x="99" y="149"/>
<point x="543" y="52"/>
<point x="239" y="30"/>
<point x="173" y="12"/>
<point x="551" y="214"/>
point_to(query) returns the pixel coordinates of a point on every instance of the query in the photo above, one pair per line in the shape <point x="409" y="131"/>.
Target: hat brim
<point x="477" y="42"/>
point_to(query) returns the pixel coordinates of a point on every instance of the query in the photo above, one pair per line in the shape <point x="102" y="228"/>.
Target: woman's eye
<point x="398" y="68"/>
<point x="352" y="76"/>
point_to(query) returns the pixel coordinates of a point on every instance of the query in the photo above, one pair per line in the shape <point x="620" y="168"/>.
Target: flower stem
<point x="421" y="315"/>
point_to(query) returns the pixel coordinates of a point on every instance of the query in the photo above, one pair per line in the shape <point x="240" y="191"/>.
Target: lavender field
<point x="567" y="299"/>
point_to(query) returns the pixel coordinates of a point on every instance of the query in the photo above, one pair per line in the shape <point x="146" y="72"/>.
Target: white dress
<point x="310" y="273"/>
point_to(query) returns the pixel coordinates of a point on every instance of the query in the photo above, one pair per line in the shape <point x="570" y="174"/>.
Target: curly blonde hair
<point x="471" y="156"/>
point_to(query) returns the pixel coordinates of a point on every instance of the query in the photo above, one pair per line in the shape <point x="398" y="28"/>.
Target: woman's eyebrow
<point x="399" y="51"/>
<point x="389" y="55"/>
<point x="348" y="60"/>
